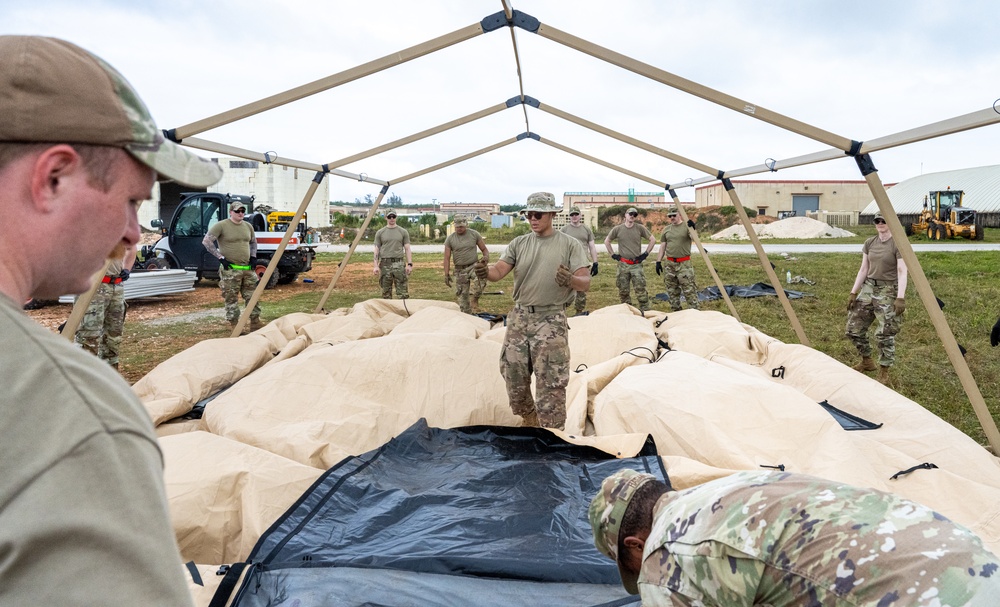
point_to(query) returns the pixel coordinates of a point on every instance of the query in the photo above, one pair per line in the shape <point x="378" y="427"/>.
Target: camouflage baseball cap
<point x="878" y="216"/>
<point x="237" y="204"/>
<point x="461" y="221"/>
<point x="607" y="510"/>
<point x="575" y="211"/>
<point x="543" y="202"/>
<point x="632" y="210"/>
<point x="671" y="210"/>
<point x="52" y="91"/>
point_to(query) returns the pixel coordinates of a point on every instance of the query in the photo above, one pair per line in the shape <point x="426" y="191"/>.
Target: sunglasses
<point x="390" y="216"/>
<point x="240" y="211"/>
<point x="671" y="215"/>
<point x="634" y="214"/>
<point x="534" y="214"/>
<point x="879" y="221"/>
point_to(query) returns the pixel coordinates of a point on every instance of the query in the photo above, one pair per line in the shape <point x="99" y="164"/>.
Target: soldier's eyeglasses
<point x="534" y="215"/>
<point x="879" y="221"/>
<point x="240" y="211"/>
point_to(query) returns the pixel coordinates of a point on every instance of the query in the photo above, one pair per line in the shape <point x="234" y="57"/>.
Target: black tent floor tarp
<point x="482" y="515"/>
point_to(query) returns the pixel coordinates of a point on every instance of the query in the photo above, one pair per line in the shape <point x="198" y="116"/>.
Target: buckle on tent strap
<point x="778" y="372"/>
<point x="924" y="466"/>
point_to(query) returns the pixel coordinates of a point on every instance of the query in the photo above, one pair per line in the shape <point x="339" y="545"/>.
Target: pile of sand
<point x="793" y="227"/>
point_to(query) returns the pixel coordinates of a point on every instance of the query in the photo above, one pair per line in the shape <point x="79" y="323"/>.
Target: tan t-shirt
<point x="234" y="240"/>
<point x="464" y="247"/>
<point x="536" y="260"/>
<point x="83" y="510"/>
<point x="630" y="239"/>
<point x="678" y="240"/>
<point x="882" y="258"/>
<point x="581" y="232"/>
<point x="390" y="241"/>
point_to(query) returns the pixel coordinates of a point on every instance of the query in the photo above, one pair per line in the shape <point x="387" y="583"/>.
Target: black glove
<point x="616" y="257"/>
<point x="691" y="223"/>
<point x="124" y="274"/>
<point x="253" y="263"/>
<point x="593" y="269"/>
<point x="225" y="263"/>
<point x="659" y="268"/>
<point x="995" y="334"/>
<point x="641" y="258"/>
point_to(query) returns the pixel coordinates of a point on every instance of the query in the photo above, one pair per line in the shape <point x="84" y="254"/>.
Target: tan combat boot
<point x="866" y="365"/>
<point x="530" y="420"/>
<point x="883" y="375"/>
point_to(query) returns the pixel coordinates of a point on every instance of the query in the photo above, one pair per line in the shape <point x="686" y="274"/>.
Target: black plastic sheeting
<point x="758" y="289"/>
<point x="494" y="511"/>
<point x="849" y="421"/>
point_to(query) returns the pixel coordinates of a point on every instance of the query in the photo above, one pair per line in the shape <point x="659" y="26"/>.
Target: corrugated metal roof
<point x="980" y="184"/>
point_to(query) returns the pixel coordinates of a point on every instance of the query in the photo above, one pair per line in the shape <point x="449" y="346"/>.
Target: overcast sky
<point x="858" y="69"/>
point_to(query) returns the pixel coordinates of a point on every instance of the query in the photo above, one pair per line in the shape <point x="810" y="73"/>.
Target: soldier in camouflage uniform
<point x="463" y="243"/>
<point x="391" y="244"/>
<point x="678" y="274"/>
<point x="100" y="331"/>
<point x="234" y="243"/>
<point x="882" y="284"/>
<point x="786" y="540"/>
<point x="548" y="267"/>
<point x="585" y="235"/>
<point x="629" y="235"/>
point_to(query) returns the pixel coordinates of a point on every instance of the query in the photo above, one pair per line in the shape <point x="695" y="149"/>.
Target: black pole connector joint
<point x="528" y="135"/>
<point x="326" y="168"/>
<point x="726" y="183"/>
<point x="855" y="148"/>
<point x="385" y="189"/>
<point x="494" y="22"/>
<point x="865" y="164"/>
<point x="318" y="177"/>
<point x="171" y="135"/>
<point x="513" y="101"/>
<point x="531" y="101"/>
<point x="721" y="175"/>
<point x="526" y="22"/>
<point x="672" y="193"/>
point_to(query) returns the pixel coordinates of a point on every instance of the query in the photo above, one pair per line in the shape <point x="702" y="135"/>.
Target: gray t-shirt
<point x="678" y="240"/>
<point x="536" y="260"/>
<point x="463" y="246"/>
<point x="83" y="510"/>
<point x="581" y="232"/>
<point x="882" y="258"/>
<point x="630" y="239"/>
<point x="390" y="241"/>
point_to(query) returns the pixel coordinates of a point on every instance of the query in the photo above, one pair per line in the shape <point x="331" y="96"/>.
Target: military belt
<point x="679" y="259"/>
<point x="233" y="266"/>
<point x="540" y="309"/>
<point x="111" y="280"/>
<point x="390" y="259"/>
<point x="629" y="261"/>
<point x="879" y="283"/>
<point x="463" y="266"/>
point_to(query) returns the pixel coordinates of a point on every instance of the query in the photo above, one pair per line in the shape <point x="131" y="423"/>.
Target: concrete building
<point x="470" y="210"/>
<point x="781" y="198"/>
<point x="586" y="200"/>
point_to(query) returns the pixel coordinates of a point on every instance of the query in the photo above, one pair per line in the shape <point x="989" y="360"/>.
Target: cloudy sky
<point x="858" y="69"/>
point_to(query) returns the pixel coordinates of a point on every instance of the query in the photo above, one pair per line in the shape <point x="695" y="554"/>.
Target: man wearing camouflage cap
<point x="629" y="235"/>
<point x="877" y="295"/>
<point x="577" y="229"/>
<point x="233" y="242"/>
<point x="786" y="540"/>
<point x="463" y="243"/>
<point x="83" y="511"/>
<point x="678" y="274"/>
<point x="548" y="267"/>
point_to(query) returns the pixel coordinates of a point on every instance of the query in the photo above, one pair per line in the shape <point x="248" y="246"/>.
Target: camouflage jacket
<point x="791" y="540"/>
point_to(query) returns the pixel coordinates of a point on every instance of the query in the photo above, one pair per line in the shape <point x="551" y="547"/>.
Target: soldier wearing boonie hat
<point x="549" y="267"/>
<point x="463" y="243"/>
<point x="785" y="540"/>
<point x="84" y="515"/>
<point x="577" y="229"/>
<point x="630" y="275"/>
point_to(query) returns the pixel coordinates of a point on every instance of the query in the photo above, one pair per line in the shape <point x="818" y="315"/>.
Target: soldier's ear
<point x="634" y="543"/>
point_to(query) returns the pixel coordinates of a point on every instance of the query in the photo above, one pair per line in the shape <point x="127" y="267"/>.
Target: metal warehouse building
<point x="980" y="184"/>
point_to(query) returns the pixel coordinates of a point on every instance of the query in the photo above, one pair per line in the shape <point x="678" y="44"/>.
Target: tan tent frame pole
<point x="424" y="134"/>
<point x="221" y="148"/>
<point x="508" y="11"/>
<point x="371" y="213"/>
<point x="704" y="255"/>
<point x="766" y="263"/>
<point x="83" y="302"/>
<point x="693" y="88"/>
<point x="350" y="251"/>
<point x="272" y="265"/>
<point x="916" y="273"/>
<point x="332" y="81"/>
<point x="680" y="208"/>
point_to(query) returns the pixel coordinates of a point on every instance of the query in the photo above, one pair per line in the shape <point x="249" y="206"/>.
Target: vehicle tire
<point x="273" y="282"/>
<point x="980" y="230"/>
<point x="157" y="263"/>
<point x="931" y="231"/>
<point x="908" y="228"/>
<point x="287" y="278"/>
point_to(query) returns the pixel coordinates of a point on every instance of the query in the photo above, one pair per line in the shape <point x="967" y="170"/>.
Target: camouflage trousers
<point x="537" y="343"/>
<point x="234" y="283"/>
<point x="874" y="303"/>
<point x="580" y="301"/>
<point x="634" y="276"/>
<point x="467" y="285"/>
<point x="678" y="277"/>
<point x="393" y="272"/>
<point x="100" y="331"/>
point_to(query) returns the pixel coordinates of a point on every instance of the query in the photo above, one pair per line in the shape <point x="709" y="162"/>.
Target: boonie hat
<point x="52" y="91"/>
<point x="632" y="210"/>
<point x="606" y="512"/>
<point x="461" y="221"/>
<point x="542" y="202"/>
